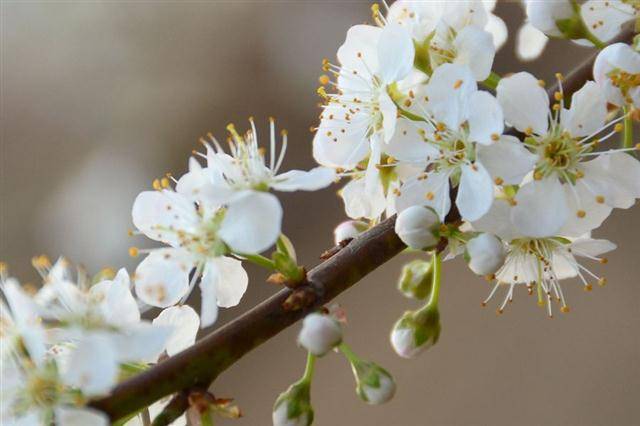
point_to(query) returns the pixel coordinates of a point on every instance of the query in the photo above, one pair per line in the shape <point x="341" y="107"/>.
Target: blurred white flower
<point x="617" y="72"/>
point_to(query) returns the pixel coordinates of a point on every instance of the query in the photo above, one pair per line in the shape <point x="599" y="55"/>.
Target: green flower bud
<point x="416" y="331"/>
<point x="416" y="279"/>
<point x="374" y="384"/>
<point x="293" y="407"/>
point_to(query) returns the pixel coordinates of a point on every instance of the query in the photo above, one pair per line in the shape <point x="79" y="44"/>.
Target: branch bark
<point x="199" y="365"/>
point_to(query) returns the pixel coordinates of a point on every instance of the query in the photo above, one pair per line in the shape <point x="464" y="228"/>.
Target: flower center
<point x="625" y="82"/>
<point x="560" y="154"/>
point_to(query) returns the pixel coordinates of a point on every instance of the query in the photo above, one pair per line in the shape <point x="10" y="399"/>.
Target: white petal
<point x="141" y="343"/>
<point x="252" y="222"/>
<point x="524" y="102"/>
<point x="615" y="176"/>
<point x="359" y="53"/>
<point x="448" y="91"/>
<point x="118" y="306"/>
<point x="530" y="42"/>
<point x="408" y="144"/>
<point x="541" y="208"/>
<point x="156" y="212"/>
<point x="184" y="322"/>
<point x="486" y="254"/>
<point x="585" y="212"/>
<point x="389" y="112"/>
<point x="299" y="180"/>
<point x="395" y="53"/>
<point x="93" y="365"/>
<point x="605" y="19"/>
<point x="209" y="299"/>
<point x="544" y="15"/>
<point x="162" y="278"/>
<point x="359" y="204"/>
<point x="497" y="221"/>
<point x="588" y="111"/>
<point x="475" y="192"/>
<point x="431" y="190"/>
<point x="591" y="247"/>
<point x="71" y="416"/>
<point x="485" y="118"/>
<point x="231" y="281"/>
<point x="498" y="30"/>
<point x="474" y="48"/>
<point x="341" y="139"/>
<point x="507" y="160"/>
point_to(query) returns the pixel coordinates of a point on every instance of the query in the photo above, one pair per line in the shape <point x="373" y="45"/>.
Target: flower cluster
<point x="500" y="170"/>
<point x="510" y="178"/>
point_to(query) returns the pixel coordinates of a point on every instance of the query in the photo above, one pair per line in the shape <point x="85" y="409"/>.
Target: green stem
<point x="348" y="353"/>
<point x="411" y="116"/>
<point x="259" y="260"/>
<point x="437" y="278"/>
<point x="627" y="141"/>
<point x="206" y="419"/>
<point x="492" y="81"/>
<point x="309" y="368"/>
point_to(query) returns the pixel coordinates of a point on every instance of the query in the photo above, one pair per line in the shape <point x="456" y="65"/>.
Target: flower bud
<point x="374" y="384"/>
<point x="485" y="254"/>
<point x="415" y="226"/>
<point x="416" y="331"/>
<point x="416" y="279"/>
<point x="293" y="407"/>
<point x="348" y="229"/>
<point x="320" y="333"/>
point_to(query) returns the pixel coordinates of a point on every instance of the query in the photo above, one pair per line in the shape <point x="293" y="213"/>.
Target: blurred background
<point x="99" y="98"/>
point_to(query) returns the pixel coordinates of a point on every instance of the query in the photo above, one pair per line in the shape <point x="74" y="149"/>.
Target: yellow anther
<point x="3" y="268"/>
<point x="134" y="252"/>
<point x="588" y="287"/>
<point x="541" y="303"/>
<point x="604" y="260"/>
<point x="323" y="79"/>
<point x="559" y="76"/>
<point x="565" y="309"/>
<point x="557" y="96"/>
<point x="407" y="103"/>
<point x="528" y="131"/>
<point x="499" y="311"/>
<point x="391" y="160"/>
<point x="156" y="184"/>
<point x="164" y="182"/>
<point x="440" y="127"/>
<point x="130" y="232"/>
<point x="602" y="282"/>
<point x="581" y="213"/>
<point x="537" y="176"/>
<point x="619" y="127"/>
<point x="541" y="83"/>
<point x="41" y="261"/>
<point x="499" y="181"/>
<point x="375" y="9"/>
<point x="457" y="84"/>
<point x="322" y="92"/>
<point x="495" y="137"/>
<point x="637" y="147"/>
<point x="556" y="107"/>
<point x="599" y="199"/>
<point x="231" y="128"/>
<point x="429" y="196"/>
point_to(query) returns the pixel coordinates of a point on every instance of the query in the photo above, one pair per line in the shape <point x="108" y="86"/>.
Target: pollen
<point x="542" y="83"/>
<point x="559" y="76"/>
<point x="133" y="251"/>
<point x="164" y="182"/>
<point x="495" y="137"/>
<point x="537" y="176"/>
<point x="602" y="282"/>
<point x="599" y="199"/>
<point x="322" y="92"/>
<point x="604" y="260"/>
<point x="324" y="79"/>
<point x="565" y="309"/>
<point x="588" y="287"/>
<point x="429" y="196"/>
<point x="581" y="213"/>
<point x="557" y="96"/>
<point x="528" y="131"/>
<point x="499" y="181"/>
<point x="618" y="127"/>
<point x="457" y="84"/>
<point x="156" y="184"/>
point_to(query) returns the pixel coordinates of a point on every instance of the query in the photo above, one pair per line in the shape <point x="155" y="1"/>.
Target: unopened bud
<point x="485" y="254"/>
<point x="416" y="331"/>
<point x="374" y="384"/>
<point x="415" y="226"/>
<point x="293" y="407"/>
<point x="320" y="333"/>
<point x="416" y="279"/>
<point x="348" y="229"/>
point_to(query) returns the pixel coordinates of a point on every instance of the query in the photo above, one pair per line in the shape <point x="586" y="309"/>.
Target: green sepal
<point x="416" y="279"/>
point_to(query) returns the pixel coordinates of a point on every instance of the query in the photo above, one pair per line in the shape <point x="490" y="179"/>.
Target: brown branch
<point x="199" y="365"/>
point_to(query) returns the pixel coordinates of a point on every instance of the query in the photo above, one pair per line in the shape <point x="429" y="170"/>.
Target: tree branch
<point x="200" y="364"/>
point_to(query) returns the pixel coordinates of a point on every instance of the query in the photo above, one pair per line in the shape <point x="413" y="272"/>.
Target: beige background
<point x="98" y="98"/>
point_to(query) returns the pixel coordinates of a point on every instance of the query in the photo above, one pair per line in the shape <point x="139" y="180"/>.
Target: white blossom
<point x="319" y="334"/>
<point x="485" y="254"/>
<point x="416" y="226"/>
<point x="617" y="71"/>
